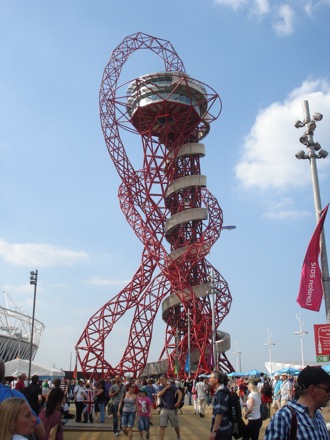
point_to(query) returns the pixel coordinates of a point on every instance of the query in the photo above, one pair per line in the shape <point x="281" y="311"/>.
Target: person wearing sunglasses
<point x="301" y="419"/>
<point x="127" y="409"/>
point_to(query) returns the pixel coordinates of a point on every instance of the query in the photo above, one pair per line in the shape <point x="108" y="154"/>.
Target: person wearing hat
<point x="302" y="419"/>
<point x="277" y="382"/>
<point x="79" y="397"/>
<point x="286" y="389"/>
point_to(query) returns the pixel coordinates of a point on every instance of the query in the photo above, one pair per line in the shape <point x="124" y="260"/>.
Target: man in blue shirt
<point x="169" y="406"/>
<point x="302" y="419"/>
<point x="5" y="393"/>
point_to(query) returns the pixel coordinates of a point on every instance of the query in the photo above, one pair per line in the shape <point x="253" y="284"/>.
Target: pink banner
<point x="311" y="291"/>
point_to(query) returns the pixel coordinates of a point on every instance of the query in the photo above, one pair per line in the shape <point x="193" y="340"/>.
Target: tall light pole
<point x="301" y="334"/>
<point x="270" y="344"/>
<point x="214" y="330"/>
<point x="214" y="293"/>
<point x="238" y="357"/>
<point x="34" y="282"/>
<point x="312" y="149"/>
<point x="188" y="361"/>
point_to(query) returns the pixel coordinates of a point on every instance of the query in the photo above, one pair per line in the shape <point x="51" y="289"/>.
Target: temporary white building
<point x="18" y="366"/>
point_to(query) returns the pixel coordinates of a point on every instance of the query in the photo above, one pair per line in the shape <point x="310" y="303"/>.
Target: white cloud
<point x="262" y="6"/>
<point x="283" y="24"/>
<point x="281" y="15"/>
<point x="308" y="7"/>
<point x="283" y="209"/>
<point x="40" y="255"/>
<point x="268" y="152"/>
<point x="258" y="7"/>
<point x="234" y="4"/>
<point x="97" y="281"/>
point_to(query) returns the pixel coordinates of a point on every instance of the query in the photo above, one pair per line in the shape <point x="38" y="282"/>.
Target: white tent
<point x="18" y="366"/>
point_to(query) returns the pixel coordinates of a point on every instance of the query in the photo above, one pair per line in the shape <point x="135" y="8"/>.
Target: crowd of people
<point x="38" y="410"/>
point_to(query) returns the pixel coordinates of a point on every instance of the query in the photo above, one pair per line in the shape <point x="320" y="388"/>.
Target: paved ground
<point x="192" y="427"/>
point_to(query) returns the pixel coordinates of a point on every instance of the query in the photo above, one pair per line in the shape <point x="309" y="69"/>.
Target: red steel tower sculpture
<point x="177" y="219"/>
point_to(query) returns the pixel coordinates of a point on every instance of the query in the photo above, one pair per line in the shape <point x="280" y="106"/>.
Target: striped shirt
<point x="308" y="428"/>
<point x="220" y="405"/>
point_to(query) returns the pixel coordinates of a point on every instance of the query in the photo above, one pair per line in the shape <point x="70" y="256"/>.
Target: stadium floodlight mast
<point x="34" y="282"/>
<point x="301" y="333"/>
<point x="270" y="344"/>
<point x="238" y="354"/>
<point x="314" y="152"/>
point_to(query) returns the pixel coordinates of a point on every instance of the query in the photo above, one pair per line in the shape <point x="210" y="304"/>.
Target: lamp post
<point x="34" y="282"/>
<point x="188" y="354"/>
<point x="214" y="293"/>
<point x="214" y="348"/>
<point x="312" y="155"/>
<point x="301" y="334"/>
<point x="238" y="357"/>
<point x="270" y="344"/>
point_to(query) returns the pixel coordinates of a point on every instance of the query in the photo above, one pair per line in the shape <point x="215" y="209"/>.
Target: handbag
<point x="239" y="429"/>
<point x="53" y="432"/>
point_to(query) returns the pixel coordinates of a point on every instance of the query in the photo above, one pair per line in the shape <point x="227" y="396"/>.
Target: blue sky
<point x="58" y="187"/>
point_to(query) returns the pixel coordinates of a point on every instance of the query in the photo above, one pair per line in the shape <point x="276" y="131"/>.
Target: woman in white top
<point x="252" y="412"/>
<point x="17" y="420"/>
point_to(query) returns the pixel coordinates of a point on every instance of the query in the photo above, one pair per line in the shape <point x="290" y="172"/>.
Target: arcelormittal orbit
<point x="171" y="211"/>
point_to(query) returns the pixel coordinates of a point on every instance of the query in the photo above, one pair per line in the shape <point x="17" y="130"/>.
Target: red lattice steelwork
<point x="165" y="201"/>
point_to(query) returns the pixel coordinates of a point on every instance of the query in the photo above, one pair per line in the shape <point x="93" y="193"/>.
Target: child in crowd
<point x="144" y="413"/>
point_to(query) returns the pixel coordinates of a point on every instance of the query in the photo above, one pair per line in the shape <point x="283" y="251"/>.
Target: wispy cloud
<point x="98" y="281"/>
<point x="283" y="22"/>
<point x="40" y="255"/>
<point x="281" y="15"/>
<point x="283" y="209"/>
<point x="268" y="152"/>
<point x="258" y="7"/>
<point x="234" y="4"/>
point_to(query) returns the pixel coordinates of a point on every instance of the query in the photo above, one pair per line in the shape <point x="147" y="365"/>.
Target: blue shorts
<point x="144" y="423"/>
<point x="127" y="419"/>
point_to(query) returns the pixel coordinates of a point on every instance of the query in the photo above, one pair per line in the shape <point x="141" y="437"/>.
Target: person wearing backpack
<point x="302" y="419"/>
<point x="221" y="426"/>
<point x="267" y="395"/>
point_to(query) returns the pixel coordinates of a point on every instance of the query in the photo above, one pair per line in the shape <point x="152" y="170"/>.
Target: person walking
<point x="51" y="415"/>
<point x="100" y="397"/>
<point x="170" y="397"/>
<point x="115" y="393"/>
<point x="221" y="426"/>
<point x="144" y="412"/>
<point x="277" y="382"/>
<point x="201" y="390"/>
<point x="302" y="419"/>
<point x="286" y="389"/>
<point x="127" y="409"/>
<point x="252" y="412"/>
